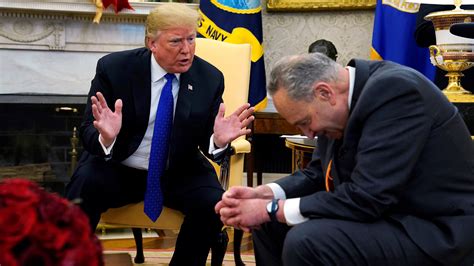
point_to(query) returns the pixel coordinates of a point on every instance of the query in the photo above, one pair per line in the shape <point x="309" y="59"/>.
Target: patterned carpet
<point x="124" y="257"/>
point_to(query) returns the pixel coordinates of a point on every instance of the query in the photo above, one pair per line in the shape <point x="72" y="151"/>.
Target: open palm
<point x="107" y="122"/>
<point x="226" y="129"/>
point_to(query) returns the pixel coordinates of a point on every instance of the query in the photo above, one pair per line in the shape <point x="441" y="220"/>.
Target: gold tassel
<point x="98" y="10"/>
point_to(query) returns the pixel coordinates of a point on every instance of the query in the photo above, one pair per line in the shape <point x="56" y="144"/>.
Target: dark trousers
<point x="101" y="185"/>
<point x="336" y="242"/>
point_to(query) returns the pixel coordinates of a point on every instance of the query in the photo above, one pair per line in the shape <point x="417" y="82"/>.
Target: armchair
<point x="233" y="60"/>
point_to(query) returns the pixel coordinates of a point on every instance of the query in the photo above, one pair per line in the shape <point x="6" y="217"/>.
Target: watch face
<point x="269" y="207"/>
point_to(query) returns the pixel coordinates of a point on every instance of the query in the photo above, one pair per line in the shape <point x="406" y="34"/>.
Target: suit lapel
<point x="338" y="147"/>
<point x="183" y="109"/>
<point x="185" y="95"/>
<point x="141" y="88"/>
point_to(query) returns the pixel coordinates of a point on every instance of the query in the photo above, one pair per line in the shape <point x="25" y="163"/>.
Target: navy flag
<point x="238" y="21"/>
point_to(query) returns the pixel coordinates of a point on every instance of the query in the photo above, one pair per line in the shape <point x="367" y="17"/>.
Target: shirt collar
<point x="352" y="74"/>
<point x="157" y="72"/>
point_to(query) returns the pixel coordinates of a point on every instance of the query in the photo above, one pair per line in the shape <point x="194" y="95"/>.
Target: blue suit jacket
<point x="406" y="157"/>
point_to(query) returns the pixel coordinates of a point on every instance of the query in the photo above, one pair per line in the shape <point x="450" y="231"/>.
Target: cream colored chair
<point x="233" y="60"/>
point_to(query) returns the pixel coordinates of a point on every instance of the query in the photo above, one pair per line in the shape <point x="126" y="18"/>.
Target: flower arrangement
<point x="41" y="228"/>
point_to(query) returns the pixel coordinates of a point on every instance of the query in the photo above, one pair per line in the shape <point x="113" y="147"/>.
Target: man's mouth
<point x="184" y="61"/>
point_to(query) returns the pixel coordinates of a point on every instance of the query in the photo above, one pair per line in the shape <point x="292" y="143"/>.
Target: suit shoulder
<point x="202" y="66"/>
<point x="125" y="56"/>
<point x="394" y="82"/>
<point x="388" y="73"/>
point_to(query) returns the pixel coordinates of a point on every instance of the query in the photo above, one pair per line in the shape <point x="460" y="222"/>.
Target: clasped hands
<point x="226" y="129"/>
<point x="244" y="207"/>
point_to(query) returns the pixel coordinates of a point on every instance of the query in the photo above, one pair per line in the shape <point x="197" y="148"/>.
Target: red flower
<point x="23" y="194"/>
<point x="16" y="224"/>
<point x="118" y="4"/>
<point x="41" y="228"/>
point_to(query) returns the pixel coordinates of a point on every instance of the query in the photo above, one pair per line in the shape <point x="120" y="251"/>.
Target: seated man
<point x="152" y="114"/>
<point x="325" y="47"/>
<point x="391" y="181"/>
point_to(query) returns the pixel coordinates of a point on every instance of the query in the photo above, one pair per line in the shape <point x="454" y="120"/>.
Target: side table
<point x="301" y="151"/>
<point x="264" y="123"/>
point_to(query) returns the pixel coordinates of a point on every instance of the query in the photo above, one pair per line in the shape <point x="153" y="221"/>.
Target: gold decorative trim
<point x="314" y="5"/>
<point x="443" y="20"/>
<point x="402" y="5"/>
<point x="460" y="98"/>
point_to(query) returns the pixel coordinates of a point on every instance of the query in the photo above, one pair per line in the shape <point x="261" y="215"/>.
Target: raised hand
<point x="108" y="123"/>
<point x="226" y="129"/>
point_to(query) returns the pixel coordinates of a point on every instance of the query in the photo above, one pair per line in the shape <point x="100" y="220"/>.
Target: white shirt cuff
<point x="278" y="192"/>
<point x="212" y="149"/>
<point x="107" y="150"/>
<point x="292" y="213"/>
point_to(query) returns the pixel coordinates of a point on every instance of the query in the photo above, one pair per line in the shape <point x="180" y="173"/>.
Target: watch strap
<point x="274" y="210"/>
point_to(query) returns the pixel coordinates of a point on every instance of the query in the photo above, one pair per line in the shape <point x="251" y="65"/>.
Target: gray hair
<point x="169" y="15"/>
<point x="298" y="73"/>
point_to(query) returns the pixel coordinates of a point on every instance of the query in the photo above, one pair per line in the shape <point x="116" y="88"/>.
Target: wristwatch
<point x="272" y="208"/>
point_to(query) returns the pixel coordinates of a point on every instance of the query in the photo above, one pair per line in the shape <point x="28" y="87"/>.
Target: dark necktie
<point x="159" y="150"/>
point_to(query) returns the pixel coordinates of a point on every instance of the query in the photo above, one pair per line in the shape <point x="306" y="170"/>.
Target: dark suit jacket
<point x="127" y="75"/>
<point x="406" y="157"/>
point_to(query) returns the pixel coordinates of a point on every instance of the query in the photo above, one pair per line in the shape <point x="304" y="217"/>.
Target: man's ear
<point x="322" y="91"/>
<point x="151" y="44"/>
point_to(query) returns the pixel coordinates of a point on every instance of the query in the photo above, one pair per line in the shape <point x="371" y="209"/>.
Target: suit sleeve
<point x="395" y="128"/>
<point x="305" y="181"/>
<point x="214" y="109"/>
<point x="89" y="134"/>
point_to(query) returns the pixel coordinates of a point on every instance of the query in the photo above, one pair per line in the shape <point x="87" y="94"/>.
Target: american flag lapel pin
<point x="190" y="87"/>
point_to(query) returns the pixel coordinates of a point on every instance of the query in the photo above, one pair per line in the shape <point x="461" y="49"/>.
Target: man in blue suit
<point x="391" y="181"/>
<point x="119" y="124"/>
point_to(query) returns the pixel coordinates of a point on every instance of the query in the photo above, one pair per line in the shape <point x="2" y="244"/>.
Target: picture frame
<point x="316" y="5"/>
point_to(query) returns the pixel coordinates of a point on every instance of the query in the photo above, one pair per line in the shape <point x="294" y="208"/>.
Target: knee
<point x="303" y="248"/>
<point x="203" y="212"/>
<point x="84" y="185"/>
<point x="78" y="186"/>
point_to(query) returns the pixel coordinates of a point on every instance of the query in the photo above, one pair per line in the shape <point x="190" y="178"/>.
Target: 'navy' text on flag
<point x="238" y="21"/>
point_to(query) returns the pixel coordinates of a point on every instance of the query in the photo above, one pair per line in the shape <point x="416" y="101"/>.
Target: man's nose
<point x="308" y="133"/>
<point x="186" y="47"/>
